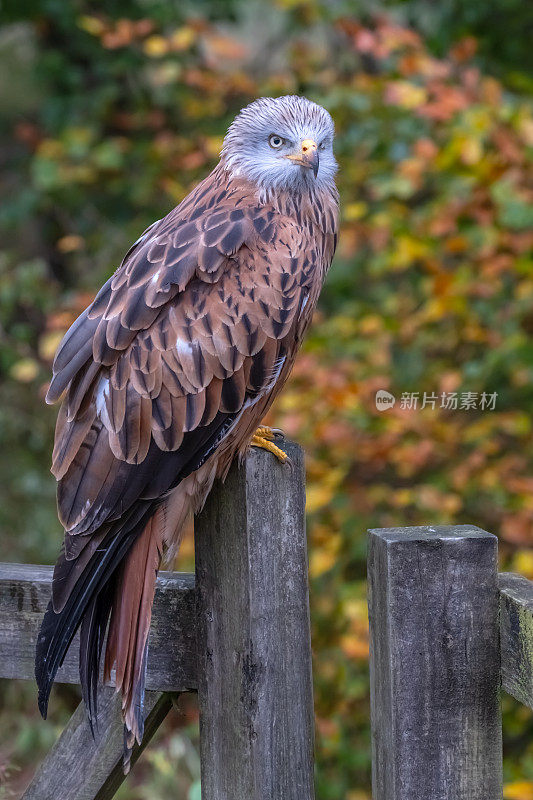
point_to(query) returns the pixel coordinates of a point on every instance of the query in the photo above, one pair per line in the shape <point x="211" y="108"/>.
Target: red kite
<point x="166" y="376"/>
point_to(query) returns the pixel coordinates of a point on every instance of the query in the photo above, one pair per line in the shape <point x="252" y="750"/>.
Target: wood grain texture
<point x="434" y="661"/>
<point x="82" y="768"/>
<point x="24" y="594"/>
<point x="516" y="635"/>
<point x="255" y="682"/>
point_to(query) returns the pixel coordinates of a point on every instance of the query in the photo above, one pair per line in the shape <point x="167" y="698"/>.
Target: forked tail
<point x="117" y="580"/>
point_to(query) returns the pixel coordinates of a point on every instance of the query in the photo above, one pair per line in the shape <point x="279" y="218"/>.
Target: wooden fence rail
<point x="237" y="632"/>
<point x="516" y="635"/>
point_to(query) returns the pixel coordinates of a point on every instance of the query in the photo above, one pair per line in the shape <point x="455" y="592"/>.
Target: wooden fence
<point x="446" y="631"/>
<point x="237" y="633"/>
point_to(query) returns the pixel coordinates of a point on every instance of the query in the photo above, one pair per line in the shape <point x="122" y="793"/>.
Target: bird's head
<point x="282" y="143"/>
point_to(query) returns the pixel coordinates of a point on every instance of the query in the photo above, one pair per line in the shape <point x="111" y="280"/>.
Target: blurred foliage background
<point x="108" y="118"/>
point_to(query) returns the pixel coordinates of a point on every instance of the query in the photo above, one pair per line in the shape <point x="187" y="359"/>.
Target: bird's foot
<point x="264" y="437"/>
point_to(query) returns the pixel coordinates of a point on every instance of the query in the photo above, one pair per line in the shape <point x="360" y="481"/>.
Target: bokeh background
<point x="108" y="118"/>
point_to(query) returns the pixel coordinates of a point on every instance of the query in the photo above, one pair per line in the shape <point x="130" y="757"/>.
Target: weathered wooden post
<point x="434" y="664"/>
<point x="254" y="682"/>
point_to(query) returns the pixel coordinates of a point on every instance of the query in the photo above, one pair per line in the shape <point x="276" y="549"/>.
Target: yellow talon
<point x="263" y="437"/>
<point x="264" y="432"/>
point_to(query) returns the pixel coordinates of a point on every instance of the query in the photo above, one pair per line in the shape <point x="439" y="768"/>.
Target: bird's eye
<point x="275" y="141"/>
<point x="322" y="145"/>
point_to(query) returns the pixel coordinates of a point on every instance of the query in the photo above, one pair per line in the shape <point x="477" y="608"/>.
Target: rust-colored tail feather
<point x="130" y="623"/>
<point x="86" y="581"/>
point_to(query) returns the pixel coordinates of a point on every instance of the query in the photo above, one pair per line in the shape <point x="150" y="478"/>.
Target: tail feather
<point x="127" y="641"/>
<point x="58" y="629"/>
<point x="92" y="634"/>
<point x="137" y="701"/>
<point x="116" y="585"/>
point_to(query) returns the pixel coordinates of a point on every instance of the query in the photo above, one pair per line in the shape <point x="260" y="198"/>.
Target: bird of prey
<point x="166" y="376"/>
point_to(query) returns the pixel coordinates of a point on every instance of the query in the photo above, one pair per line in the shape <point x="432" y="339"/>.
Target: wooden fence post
<point x="254" y="682"/>
<point x="434" y="664"/>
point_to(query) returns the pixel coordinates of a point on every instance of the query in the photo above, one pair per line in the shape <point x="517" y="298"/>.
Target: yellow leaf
<point x="318" y="496"/>
<point x="48" y="344"/>
<point x="471" y="151"/>
<point x="353" y="211"/>
<point x="356" y="609"/>
<point x="405" y="94"/>
<point x="407" y="249"/>
<point x="402" y="497"/>
<point x="50" y="148"/>
<point x="155" y="46"/>
<point x="370" y="324"/>
<point x="354" y="646"/>
<point x="523" y="563"/>
<point x="183" y="38"/>
<point x="69" y="243"/>
<point x="525" y="127"/>
<point x="288" y="4"/>
<point x="173" y="188"/>
<point x="320" y="561"/>
<point x="92" y="25"/>
<point x="213" y="145"/>
<point x="25" y="370"/>
<point x="519" y="790"/>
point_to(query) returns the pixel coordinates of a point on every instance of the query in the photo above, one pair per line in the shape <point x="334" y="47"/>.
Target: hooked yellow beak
<point x="308" y="157"/>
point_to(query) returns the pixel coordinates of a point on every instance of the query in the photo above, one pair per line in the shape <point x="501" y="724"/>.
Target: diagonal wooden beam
<point x="79" y="767"/>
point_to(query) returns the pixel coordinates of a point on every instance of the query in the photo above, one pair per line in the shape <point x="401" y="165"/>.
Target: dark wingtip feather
<point x="42" y="699"/>
<point x="43" y="675"/>
<point x="92" y="635"/>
